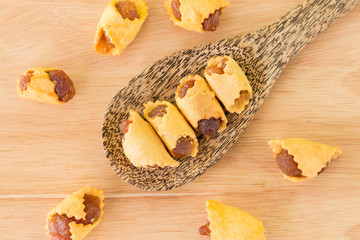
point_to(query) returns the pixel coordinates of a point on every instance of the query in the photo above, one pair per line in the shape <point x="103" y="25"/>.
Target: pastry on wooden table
<point x="229" y="82"/>
<point x="172" y="127"/>
<point x="77" y="215"/>
<point x="46" y="85"/>
<point x="142" y="146"/>
<point x="229" y="223"/>
<point x="299" y="159"/>
<point x="199" y="105"/>
<point x="119" y="25"/>
<point x="196" y="15"/>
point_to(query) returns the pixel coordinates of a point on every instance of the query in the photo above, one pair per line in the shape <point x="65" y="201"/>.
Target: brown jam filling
<point x="25" y="80"/>
<point x="125" y="126"/>
<point x="158" y="111"/>
<point x="127" y="9"/>
<point x="287" y="165"/>
<point x="184" y="147"/>
<point x="59" y="228"/>
<point x="244" y="96"/>
<point x="175" y="4"/>
<point x="209" y="127"/>
<point x="104" y="44"/>
<point x="184" y="89"/>
<point x="211" y="23"/>
<point x="205" y="230"/>
<point x="64" y="87"/>
<point x="217" y="69"/>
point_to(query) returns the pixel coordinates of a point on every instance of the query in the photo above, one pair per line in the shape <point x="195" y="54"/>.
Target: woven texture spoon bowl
<point x="262" y="55"/>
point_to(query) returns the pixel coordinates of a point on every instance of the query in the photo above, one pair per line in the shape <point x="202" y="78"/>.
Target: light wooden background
<point x="47" y="152"/>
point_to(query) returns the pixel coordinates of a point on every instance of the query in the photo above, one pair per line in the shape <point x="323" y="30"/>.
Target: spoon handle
<point x="281" y="41"/>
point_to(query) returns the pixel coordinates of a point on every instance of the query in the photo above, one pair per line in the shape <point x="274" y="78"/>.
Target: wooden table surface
<point x="49" y="151"/>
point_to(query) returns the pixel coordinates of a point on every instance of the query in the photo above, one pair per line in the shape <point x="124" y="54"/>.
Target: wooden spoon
<point x="262" y="55"/>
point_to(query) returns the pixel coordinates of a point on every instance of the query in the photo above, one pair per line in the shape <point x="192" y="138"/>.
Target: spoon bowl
<point x="262" y="55"/>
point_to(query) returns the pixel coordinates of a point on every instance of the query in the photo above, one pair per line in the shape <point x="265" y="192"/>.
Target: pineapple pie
<point x="196" y="15"/>
<point x="77" y="215"/>
<point x="299" y="159"/>
<point x="142" y="146"/>
<point x="119" y="25"/>
<point x="229" y="223"/>
<point x="229" y="82"/>
<point x="46" y="85"/>
<point x="172" y="127"/>
<point x="199" y="105"/>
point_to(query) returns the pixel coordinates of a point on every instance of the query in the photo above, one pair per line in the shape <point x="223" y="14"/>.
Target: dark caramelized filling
<point x="209" y="127"/>
<point x="158" y="111"/>
<point x="211" y="23"/>
<point x="125" y="126"/>
<point x="175" y="4"/>
<point x="184" y="89"/>
<point x="205" y="229"/>
<point x="127" y="9"/>
<point x="217" y="69"/>
<point x="184" y="147"/>
<point x="25" y="80"/>
<point x="287" y="165"/>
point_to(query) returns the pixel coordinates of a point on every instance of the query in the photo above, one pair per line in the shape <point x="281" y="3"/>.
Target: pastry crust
<point x="73" y="206"/>
<point x="121" y="32"/>
<point x="143" y="147"/>
<point x="311" y="157"/>
<point x="228" y="85"/>
<point x="229" y="223"/>
<point x="40" y="87"/>
<point x="171" y="127"/>
<point x="193" y="13"/>
<point x="199" y="102"/>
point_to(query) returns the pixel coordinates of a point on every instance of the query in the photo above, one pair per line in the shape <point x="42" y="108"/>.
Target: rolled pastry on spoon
<point x="172" y="127"/>
<point x="229" y="82"/>
<point x="142" y="146"/>
<point x="199" y="105"/>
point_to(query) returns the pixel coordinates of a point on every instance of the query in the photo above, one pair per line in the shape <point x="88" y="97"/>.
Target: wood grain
<point x="50" y="151"/>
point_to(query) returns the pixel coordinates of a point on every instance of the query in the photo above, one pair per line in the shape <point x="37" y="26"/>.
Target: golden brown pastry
<point x="229" y="223"/>
<point x="196" y="15"/>
<point x="77" y="215"/>
<point x="229" y="82"/>
<point x="199" y="105"/>
<point x="172" y="127"/>
<point x="142" y="146"/>
<point x="119" y="25"/>
<point x="299" y="159"/>
<point x="46" y="85"/>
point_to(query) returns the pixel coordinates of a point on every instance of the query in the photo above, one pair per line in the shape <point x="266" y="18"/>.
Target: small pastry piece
<point x="229" y="82"/>
<point x="77" y="215"/>
<point x="172" y="127"/>
<point x="299" y="159"/>
<point x="119" y="25"/>
<point x="229" y="223"/>
<point x="142" y="146"/>
<point x="199" y="105"/>
<point x="196" y="15"/>
<point x="46" y="85"/>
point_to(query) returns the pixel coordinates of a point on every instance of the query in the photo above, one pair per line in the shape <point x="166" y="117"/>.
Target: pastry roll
<point x="196" y="15"/>
<point x="119" y="25"/>
<point x="76" y="215"/>
<point x="171" y="126"/>
<point x="46" y="85"/>
<point x="229" y="223"/>
<point x="299" y="159"/>
<point x="199" y="105"/>
<point x="229" y="82"/>
<point x="142" y="146"/>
